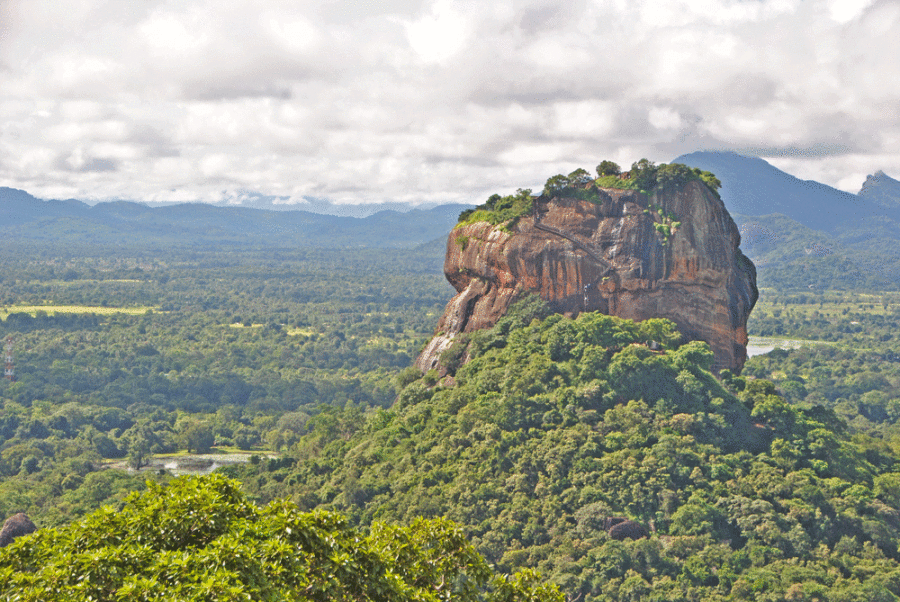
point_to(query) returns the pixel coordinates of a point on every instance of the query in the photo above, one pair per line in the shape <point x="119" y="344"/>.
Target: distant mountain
<point x="751" y="186"/>
<point x="19" y="207"/>
<point x="802" y="233"/>
<point x="254" y="200"/>
<point x="24" y="216"/>
<point x="882" y="190"/>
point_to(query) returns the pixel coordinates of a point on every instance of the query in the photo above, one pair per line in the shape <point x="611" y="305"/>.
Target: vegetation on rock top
<point x="644" y="176"/>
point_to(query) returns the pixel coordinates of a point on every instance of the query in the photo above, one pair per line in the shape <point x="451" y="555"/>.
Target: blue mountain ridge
<point x="751" y="189"/>
<point x="751" y="186"/>
<point x="25" y="216"/>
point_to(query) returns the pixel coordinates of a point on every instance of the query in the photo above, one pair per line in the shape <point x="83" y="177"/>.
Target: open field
<point x="73" y="309"/>
<point x="850" y="317"/>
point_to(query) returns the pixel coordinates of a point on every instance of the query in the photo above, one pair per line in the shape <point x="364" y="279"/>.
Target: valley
<point x="780" y="482"/>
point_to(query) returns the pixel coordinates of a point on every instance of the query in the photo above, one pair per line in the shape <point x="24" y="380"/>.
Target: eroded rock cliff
<point x="671" y="254"/>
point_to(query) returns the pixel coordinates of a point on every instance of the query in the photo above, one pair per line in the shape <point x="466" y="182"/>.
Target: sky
<point x="432" y="101"/>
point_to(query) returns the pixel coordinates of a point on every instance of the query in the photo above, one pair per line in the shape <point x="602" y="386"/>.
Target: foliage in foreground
<point x="556" y="425"/>
<point x="201" y="539"/>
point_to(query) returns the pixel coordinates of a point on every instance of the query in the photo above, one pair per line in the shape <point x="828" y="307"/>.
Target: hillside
<point x="555" y="429"/>
<point x="557" y="425"/>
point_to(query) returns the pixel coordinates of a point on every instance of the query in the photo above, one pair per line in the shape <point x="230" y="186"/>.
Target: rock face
<point x="15" y="526"/>
<point x="673" y="254"/>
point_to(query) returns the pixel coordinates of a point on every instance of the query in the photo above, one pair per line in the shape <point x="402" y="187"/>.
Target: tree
<point x="673" y="174"/>
<point x="555" y="185"/>
<point x="197" y="436"/>
<point x="579" y="177"/>
<point x="608" y="168"/>
<point x="201" y="539"/>
<point x="709" y="179"/>
<point x="138" y="451"/>
<point x="643" y="173"/>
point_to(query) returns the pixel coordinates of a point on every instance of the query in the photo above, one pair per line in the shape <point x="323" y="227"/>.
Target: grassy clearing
<point x="73" y="309"/>
<point x="298" y="331"/>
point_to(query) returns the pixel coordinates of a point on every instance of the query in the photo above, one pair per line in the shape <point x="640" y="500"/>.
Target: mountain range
<point x="752" y="187"/>
<point x="800" y="233"/>
<point x="24" y="216"/>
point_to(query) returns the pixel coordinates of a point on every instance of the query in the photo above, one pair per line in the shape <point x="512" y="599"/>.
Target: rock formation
<point x="628" y="530"/>
<point x="671" y="254"/>
<point x="15" y="526"/>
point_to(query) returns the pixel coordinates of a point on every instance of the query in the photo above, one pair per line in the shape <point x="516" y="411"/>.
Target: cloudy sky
<point x="432" y="101"/>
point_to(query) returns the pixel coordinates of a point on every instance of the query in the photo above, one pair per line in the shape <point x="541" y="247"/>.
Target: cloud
<point x="439" y="35"/>
<point x="432" y="100"/>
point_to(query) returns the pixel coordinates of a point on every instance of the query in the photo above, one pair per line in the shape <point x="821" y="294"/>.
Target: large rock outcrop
<point x="671" y="254"/>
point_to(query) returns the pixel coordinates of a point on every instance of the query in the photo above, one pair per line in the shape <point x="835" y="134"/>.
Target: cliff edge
<point x="670" y="253"/>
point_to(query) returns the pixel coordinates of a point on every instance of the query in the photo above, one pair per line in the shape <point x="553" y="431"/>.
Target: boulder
<point x="15" y="526"/>
<point x="628" y="530"/>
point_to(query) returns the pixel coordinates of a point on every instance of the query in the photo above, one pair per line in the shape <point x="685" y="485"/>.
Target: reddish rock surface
<point x="608" y="256"/>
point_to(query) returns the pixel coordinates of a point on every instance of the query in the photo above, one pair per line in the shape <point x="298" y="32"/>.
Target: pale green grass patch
<point x="298" y="331"/>
<point x="74" y="309"/>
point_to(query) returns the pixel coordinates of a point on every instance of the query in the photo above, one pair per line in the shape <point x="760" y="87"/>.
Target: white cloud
<point x="843" y="11"/>
<point x="414" y="100"/>
<point x="438" y="35"/>
<point x="664" y="118"/>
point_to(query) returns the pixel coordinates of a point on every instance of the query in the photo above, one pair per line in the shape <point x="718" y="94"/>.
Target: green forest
<point x="781" y="483"/>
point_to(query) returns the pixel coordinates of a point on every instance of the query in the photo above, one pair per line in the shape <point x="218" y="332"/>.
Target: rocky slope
<point x="673" y="254"/>
<point x="882" y="190"/>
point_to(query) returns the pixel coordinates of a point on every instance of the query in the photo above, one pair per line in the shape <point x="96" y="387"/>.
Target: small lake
<point x="761" y="345"/>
